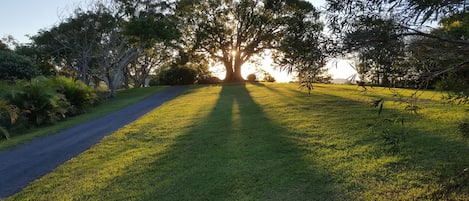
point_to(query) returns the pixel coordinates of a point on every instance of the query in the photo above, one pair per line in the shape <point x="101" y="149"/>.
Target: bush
<point x="78" y="94"/>
<point x="14" y="66"/>
<point x="209" y="80"/>
<point x="268" y="78"/>
<point x="252" y="77"/>
<point x="177" y="75"/>
<point x="8" y="116"/>
<point x="38" y="101"/>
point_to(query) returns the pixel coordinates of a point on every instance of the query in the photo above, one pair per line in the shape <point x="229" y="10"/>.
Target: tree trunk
<point x="233" y="71"/>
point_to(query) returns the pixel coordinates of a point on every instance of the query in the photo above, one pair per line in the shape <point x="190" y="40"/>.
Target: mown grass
<point x="123" y="98"/>
<point x="271" y="142"/>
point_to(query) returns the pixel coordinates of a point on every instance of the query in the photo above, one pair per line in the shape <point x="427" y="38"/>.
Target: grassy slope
<point x="268" y="142"/>
<point x="124" y="98"/>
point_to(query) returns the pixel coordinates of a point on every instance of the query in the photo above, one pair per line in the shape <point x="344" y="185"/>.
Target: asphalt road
<point x="25" y="163"/>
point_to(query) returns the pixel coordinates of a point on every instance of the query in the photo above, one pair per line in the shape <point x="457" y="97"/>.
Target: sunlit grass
<point x="123" y="98"/>
<point x="270" y="142"/>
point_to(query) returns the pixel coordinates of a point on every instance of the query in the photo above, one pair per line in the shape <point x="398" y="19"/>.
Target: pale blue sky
<point x="26" y="17"/>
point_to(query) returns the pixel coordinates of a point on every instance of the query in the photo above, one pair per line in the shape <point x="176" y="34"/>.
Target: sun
<point x="234" y="52"/>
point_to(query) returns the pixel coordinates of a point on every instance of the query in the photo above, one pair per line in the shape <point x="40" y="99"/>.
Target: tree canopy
<point x="232" y="32"/>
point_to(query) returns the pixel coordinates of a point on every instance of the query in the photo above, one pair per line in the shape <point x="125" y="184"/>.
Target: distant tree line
<point x="395" y="45"/>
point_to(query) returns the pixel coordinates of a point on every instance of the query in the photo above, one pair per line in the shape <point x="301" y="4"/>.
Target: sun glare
<point x="341" y="70"/>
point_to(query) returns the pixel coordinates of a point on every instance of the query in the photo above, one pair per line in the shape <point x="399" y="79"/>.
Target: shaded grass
<point x="123" y="98"/>
<point x="266" y="142"/>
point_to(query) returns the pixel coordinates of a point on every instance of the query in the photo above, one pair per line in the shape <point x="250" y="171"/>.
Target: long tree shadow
<point x="424" y="154"/>
<point x="239" y="155"/>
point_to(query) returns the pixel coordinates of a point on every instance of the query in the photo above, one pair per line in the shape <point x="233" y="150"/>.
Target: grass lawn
<point x="273" y="142"/>
<point x="123" y="98"/>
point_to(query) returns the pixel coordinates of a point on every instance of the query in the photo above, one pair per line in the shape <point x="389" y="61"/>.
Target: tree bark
<point x="233" y="74"/>
<point x="233" y="68"/>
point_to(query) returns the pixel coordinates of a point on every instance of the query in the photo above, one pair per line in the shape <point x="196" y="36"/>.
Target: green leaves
<point x="14" y="66"/>
<point x="43" y="101"/>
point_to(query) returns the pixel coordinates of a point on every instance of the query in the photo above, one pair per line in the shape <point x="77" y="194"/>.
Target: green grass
<point x="123" y="98"/>
<point x="271" y="142"/>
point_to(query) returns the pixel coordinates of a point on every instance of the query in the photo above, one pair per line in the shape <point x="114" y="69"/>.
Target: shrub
<point x="252" y="77"/>
<point x="78" y="94"/>
<point x="209" y="80"/>
<point x="268" y="78"/>
<point x="14" y="66"/>
<point x="10" y="114"/>
<point x="177" y="75"/>
<point x="154" y="80"/>
<point x="38" y="100"/>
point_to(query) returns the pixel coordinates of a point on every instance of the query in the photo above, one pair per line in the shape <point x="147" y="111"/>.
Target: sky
<point x="23" y="18"/>
<point x="20" y="18"/>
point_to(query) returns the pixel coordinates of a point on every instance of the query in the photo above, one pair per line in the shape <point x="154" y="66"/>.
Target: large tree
<point x="107" y="42"/>
<point x="152" y="27"/>
<point x="73" y="44"/>
<point x="232" y="32"/>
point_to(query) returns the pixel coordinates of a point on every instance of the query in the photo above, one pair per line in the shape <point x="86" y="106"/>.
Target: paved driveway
<point x="25" y="163"/>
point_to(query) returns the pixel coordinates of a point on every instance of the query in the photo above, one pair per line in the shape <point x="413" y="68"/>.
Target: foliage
<point x="209" y="80"/>
<point x="306" y="79"/>
<point x="11" y="113"/>
<point x="3" y="46"/>
<point x="38" y="100"/>
<point x="445" y="64"/>
<point x="232" y="32"/>
<point x="124" y="99"/>
<point x="268" y="77"/>
<point x="394" y="43"/>
<point x="302" y="49"/>
<point x="252" y="77"/>
<point x="78" y="94"/>
<point x="379" y="47"/>
<point x="73" y="43"/>
<point x="177" y="75"/>
<point x="14" y="66"/>
<point x="40" y="57"/>
<point x="107" y="42"/>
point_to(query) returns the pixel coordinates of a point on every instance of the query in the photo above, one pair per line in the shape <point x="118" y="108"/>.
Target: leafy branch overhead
<point x="397" y="43"/>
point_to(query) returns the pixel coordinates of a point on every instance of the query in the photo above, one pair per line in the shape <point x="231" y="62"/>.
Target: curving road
<point x="25" y="163"/>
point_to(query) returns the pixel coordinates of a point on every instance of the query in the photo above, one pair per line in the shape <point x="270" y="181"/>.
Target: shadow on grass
<point x="237" y="153"/>
<point x="430" y="157"/>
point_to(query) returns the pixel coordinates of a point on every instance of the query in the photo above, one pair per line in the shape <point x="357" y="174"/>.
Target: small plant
<point x="392" y="140"/>
<point x="393" y="129"/>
